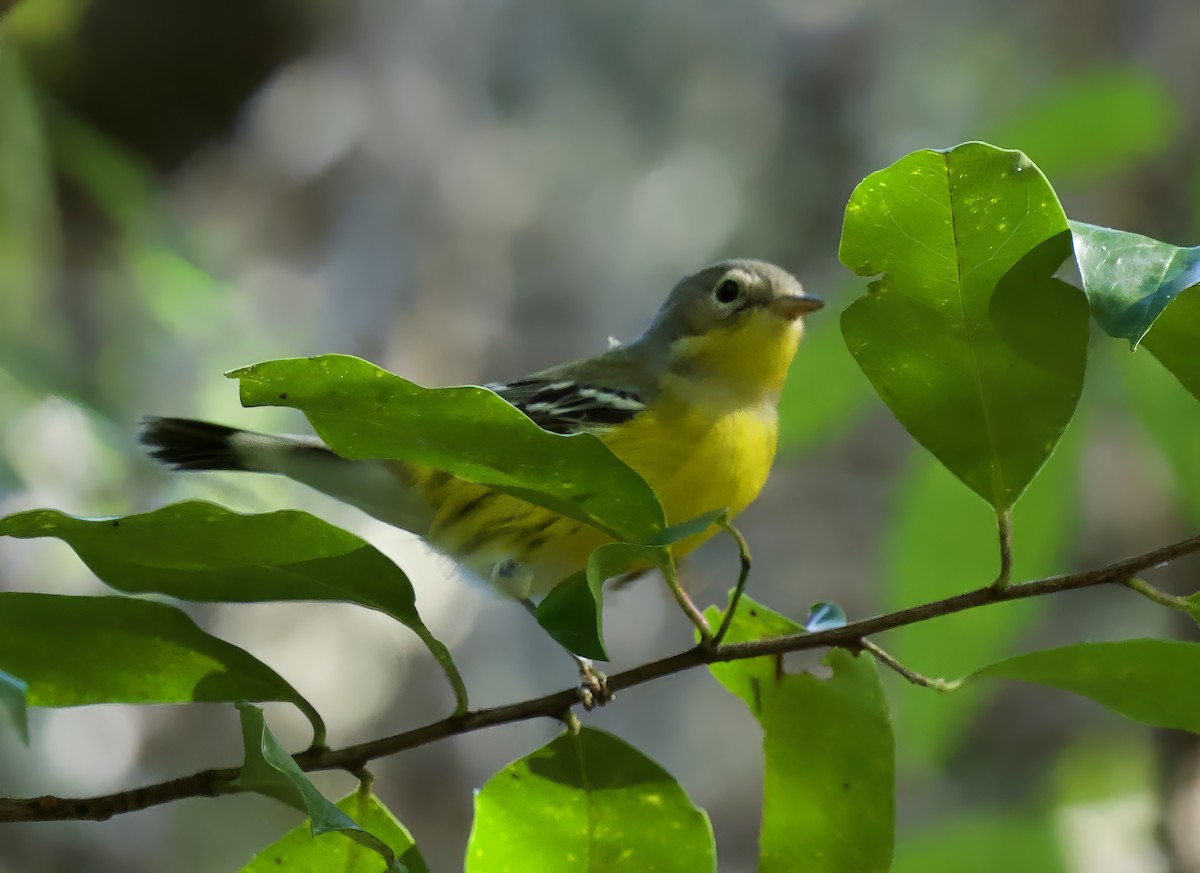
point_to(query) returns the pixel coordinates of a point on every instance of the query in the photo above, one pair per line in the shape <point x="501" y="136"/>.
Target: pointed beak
<point x="793" y="306"/>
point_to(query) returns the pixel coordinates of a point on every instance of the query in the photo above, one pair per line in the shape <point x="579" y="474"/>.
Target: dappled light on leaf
<point x="965" y="334"/>
<point x="586" y="802"/>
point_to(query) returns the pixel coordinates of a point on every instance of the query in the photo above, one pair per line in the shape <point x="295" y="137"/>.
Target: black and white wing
<point x="562" y="405"/>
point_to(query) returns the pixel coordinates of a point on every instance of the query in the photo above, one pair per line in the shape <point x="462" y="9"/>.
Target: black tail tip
<point x="187" y="444"/>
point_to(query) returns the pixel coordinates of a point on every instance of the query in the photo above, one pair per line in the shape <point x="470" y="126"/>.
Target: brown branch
<point x="212" y="783"/>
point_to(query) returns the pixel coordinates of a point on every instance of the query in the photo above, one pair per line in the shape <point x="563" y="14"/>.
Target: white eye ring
<point x="728" y="291"/>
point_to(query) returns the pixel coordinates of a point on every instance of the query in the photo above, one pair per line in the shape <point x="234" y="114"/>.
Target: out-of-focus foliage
<point x="1142" y="679"/>
<point x="1093" y="124"/>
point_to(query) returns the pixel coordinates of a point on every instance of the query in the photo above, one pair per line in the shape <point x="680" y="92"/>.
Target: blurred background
<point x="463" y="192"/>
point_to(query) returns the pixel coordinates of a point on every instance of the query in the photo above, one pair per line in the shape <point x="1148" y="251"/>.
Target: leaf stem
<point x="892" y="664"/>
<point x="1159" y="596"/>
<point x="685" y="602"/>
<point x="1004" y="529"/>
<point x="743" y="575"/>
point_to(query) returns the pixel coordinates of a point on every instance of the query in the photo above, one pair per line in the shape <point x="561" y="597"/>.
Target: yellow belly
<point x="694" y="462"/>
<point x="697" y="462"/>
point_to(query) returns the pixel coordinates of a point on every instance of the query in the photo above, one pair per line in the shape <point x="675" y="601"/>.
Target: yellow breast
<point x="698" y="459"/>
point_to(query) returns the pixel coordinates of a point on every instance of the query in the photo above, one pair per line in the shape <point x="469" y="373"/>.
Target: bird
<point x="691" y="405"/>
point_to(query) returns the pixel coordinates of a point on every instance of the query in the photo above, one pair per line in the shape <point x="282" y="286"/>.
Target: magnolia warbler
<point x="690" y="405"/>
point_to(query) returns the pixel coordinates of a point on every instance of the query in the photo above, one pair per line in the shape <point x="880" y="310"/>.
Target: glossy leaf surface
<point x="587" y="802"/>
<point x="1131" y="279"/>
<point x="965" y="334"/>
<point x="73" y="651"/>
<point x="363" y="411"/>
<point x="201" y="551"/>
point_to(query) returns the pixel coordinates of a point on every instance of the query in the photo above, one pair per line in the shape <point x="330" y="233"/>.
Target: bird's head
<point x="736" y="324"/>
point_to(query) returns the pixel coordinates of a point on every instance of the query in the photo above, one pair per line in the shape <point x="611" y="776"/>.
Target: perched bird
<point x="690" y="405"/>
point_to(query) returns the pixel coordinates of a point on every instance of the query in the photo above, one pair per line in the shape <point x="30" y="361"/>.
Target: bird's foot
<point x="593" y="685"/>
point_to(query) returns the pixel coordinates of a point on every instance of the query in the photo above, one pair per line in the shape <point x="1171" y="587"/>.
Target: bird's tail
<point x="376" y="487"/>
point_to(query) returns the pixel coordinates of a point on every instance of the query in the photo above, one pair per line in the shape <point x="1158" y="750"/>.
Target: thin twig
<point x="685" y="602"/>
<point x="743" y="575"/>
<point x="211" y="783"/>
<point x="892" y="664"/>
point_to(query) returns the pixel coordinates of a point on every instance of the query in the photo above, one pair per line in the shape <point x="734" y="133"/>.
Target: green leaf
<point x="941" y="541"/>
<point x="74" y="651"/>
<point x="362" y="411"/>
<point x="966" y="336"/>
<point x="270" y="771"/>
<point x="1093" y="124"/>
<point x="201" y="551"/>
<point x="1131" y="279"/>
<point x="1174" y="339"/>
<point x="587" y="802"/>
<point x="1151" y="681"/>
<point x="573" y="612"/>
<point x="829" y="762"/>
<point x="751" y="679"/>
<point x="297" y="851"/>
<point x="12" y="702"/>
<point x="998" y="842"/>
<point x="690" y="528"/>
<point x="828" y="782"/>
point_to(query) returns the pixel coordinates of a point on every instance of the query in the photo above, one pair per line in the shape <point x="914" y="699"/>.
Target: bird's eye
<point x="727" y="291"/>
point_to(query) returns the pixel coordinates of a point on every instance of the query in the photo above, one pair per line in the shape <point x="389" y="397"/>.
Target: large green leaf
<point x="298" y="852"/>
<point x="12" y="703"/>
<point x="966" y="335"/>
<point x="1131" y="279"/>
<point x="269" y="770"/>
<point x="587" y="802"/>
<point x="73" y="651"/>
<point x="941" y="541"/>
<point x="201" y="551"/>
<point x="828" y="786"/>
<point x="829" y="766"/>
<point x="362" y="411"/>
<point x="1151" y="681"/>
<point x="1093" y="124"/>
